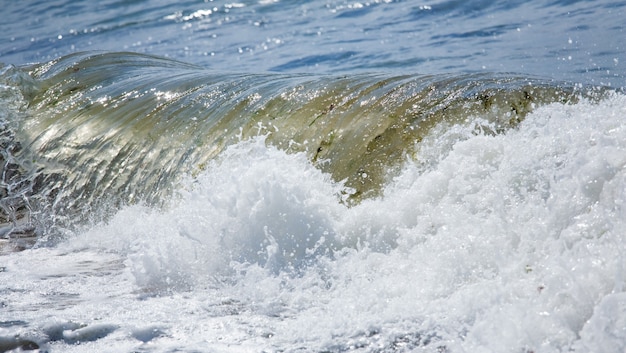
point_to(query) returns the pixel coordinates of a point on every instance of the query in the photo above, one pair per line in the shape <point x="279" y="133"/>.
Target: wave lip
<point x="103" y="129"/>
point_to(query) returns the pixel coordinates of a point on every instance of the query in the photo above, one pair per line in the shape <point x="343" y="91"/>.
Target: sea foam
<point x="503" y="242"/>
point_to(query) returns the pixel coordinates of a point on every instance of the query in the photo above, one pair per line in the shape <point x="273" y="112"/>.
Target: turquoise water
<point x="321" y="176"/>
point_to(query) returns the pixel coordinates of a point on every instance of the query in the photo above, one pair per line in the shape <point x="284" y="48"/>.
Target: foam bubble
<point x="255" y="205"/>
<point x="510" y="242"/>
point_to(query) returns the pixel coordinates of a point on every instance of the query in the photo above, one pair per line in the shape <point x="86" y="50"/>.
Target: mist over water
<point x="312" y="177"/>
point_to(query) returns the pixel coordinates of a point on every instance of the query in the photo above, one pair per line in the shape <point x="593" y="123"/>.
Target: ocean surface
<point x="313" y="176"/>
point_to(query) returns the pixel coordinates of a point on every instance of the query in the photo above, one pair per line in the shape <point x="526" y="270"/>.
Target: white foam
<point x="513" y="242"/>
<point x="256" y="205"/>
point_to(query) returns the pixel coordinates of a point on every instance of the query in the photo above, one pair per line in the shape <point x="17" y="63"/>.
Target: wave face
<point x="98" y="129"/>
<point x="190" y="211"/>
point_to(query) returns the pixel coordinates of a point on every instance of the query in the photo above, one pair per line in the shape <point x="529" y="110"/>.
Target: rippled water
<point x="312" y="176"/>
<point x="571" y="40"/>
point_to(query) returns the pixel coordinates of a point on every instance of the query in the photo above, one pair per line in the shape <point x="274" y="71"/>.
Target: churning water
<point x="321" y="176"/>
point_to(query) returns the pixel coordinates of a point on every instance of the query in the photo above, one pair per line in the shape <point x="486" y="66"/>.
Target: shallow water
<point x="313" y="176"/>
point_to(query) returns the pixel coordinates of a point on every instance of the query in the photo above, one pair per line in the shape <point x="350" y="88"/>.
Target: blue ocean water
<point x="313" y="176"/>
<point x="580" y="41"/>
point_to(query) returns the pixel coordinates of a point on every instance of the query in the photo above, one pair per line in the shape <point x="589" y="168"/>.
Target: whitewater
<point x="512" y="242"/>
<point x="321" y="176"/>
